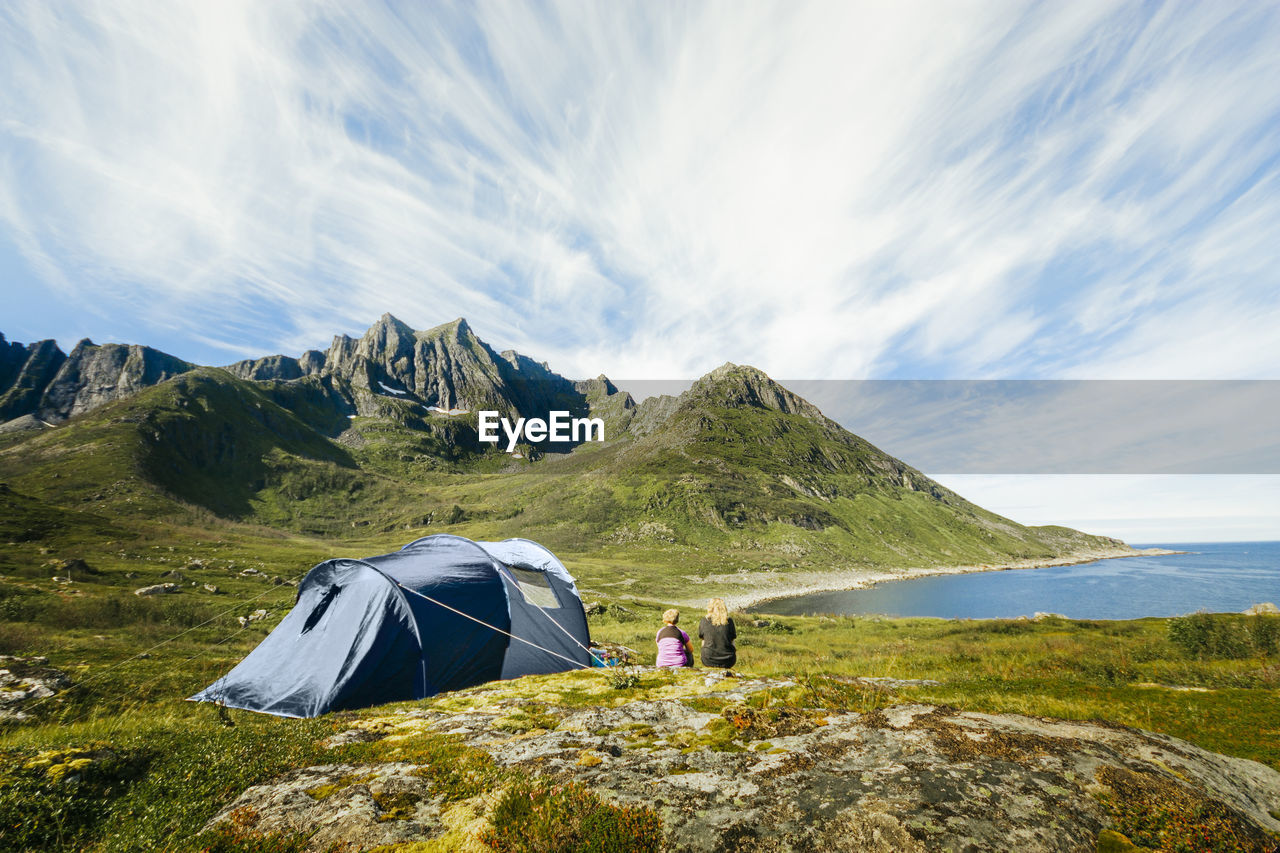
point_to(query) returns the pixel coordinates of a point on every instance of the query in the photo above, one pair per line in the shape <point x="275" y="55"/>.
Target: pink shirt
<point x="671" y="650"/>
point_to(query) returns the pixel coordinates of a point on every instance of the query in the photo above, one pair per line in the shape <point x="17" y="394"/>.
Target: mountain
<point x="447" y="367"/>
<point x="41" y="382"/>
<point x="379" y="433"/>
<point x="25" y="373"/>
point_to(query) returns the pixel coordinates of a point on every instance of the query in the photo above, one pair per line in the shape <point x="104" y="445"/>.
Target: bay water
<point x="1213" y="576"/>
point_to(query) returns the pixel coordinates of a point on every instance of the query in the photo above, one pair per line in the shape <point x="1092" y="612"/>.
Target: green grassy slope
<point x="736" y="474"/>
<point x="744" y="475"/>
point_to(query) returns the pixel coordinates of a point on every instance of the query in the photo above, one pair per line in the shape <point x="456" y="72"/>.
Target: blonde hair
<point x="717" y="612"/>
<point x="672" y="616"/>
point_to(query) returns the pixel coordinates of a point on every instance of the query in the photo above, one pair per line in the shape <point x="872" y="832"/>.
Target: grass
<point x="1129" y="672"/>
<point x="155" y="774"/>
<point x="158" y="767"/>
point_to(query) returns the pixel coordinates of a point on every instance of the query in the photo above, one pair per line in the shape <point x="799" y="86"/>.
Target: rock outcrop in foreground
<point x="25" y="681"/>
<point x="726" y="770"/>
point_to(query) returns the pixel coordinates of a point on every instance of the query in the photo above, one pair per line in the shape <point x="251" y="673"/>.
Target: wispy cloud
<point x="825" y="190"/>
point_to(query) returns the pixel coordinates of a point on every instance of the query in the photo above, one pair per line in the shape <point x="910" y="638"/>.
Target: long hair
<point x="717" y="612"/>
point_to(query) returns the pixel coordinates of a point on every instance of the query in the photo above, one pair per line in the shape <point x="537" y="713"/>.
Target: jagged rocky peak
<point x="279" y="367"/>
<point x="447" y="367"/>
<point x="12" y="356"/>
<point x="94" y="375"/>
<point x="311" y="362"/>
<point x="527" y="367"/>
<point x="601" y="390"/>
<point x="40" y="382"/>
<point x="458" y="330"/>
<point x="25" y="373"/>
<point x="600" y="385"/>
<point x="742" y="385"/>
<point x="605" y="400"/>
<point x="387" y="337"/>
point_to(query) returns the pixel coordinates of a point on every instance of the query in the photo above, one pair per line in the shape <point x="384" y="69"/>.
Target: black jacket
<point x="717" y="643"/>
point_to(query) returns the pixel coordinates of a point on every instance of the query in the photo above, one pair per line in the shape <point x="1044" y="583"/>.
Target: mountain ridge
<point x="381" y="432"/>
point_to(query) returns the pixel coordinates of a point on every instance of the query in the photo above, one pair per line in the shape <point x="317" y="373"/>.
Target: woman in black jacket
<point x="717" y="633"/>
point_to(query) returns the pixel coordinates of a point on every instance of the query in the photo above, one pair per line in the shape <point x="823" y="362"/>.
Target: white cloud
<point x="824" y="190"/>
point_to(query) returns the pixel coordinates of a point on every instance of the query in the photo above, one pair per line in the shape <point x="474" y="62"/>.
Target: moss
<point x="717" y="736"/>
<point x="960" y="744"/>
<point x="520" y="722"/>
<point x="1156" y="811"/>
<point x="1110" y="841"/>
<point x="707" y="704"/>
<point x="453" y="770"/>
<point x="547" y="818"/>
<point x="323" y="792"/>
<point x="396" y="806"/>
<point x="752" y="723"/>
<point x="239" y="835"/>
<point x="588" y="758"/>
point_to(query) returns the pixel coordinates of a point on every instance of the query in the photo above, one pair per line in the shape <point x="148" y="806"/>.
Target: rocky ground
<point x="24" y="681"/>
<point x="728" y="769"/>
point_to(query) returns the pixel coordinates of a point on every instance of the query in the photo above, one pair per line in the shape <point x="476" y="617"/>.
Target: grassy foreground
<point x="121" y="762"/>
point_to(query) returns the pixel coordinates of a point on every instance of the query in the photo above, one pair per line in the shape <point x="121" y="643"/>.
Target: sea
<point x="1219" y="577"/>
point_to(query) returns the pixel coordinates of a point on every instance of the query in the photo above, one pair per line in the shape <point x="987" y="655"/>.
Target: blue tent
<point x="441" y="613"/>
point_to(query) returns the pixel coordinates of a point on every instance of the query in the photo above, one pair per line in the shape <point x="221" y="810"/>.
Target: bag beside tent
<point x="442" y="613"/>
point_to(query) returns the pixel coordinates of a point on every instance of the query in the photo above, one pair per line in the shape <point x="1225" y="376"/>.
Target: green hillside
<point x="736" y="475"/>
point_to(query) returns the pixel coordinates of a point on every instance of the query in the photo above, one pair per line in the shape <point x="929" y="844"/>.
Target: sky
<point x="827" y="191"/>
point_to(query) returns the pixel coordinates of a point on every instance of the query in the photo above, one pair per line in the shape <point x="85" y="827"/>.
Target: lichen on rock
<point x="761" y="776"/>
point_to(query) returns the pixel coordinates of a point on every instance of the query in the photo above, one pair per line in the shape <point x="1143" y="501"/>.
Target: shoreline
<point x="791" y="584"/>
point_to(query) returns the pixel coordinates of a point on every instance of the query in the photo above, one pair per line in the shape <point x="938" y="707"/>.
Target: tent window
<point x="535" y="588"/>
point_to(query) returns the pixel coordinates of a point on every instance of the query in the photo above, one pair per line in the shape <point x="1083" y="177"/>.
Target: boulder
<point x="157" y="589"/>
<point x="343" y="806"/>
<point x="25" y="681"/>
<point x="617" y="611"/>
<point x="906" y="777"/>
<point x="76" y="566"/>
<point x="1265" y="608"/>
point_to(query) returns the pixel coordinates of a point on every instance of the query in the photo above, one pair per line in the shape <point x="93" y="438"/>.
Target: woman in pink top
<point x="674" y="648"/>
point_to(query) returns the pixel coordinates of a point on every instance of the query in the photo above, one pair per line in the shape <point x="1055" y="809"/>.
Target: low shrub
<point x="19" y="638"/>
<point x="238" y="835"/>
<point x="1156" y="813"/>
<point x="623" y="678"/>
<point x="537" y="817"/>
<point x="105" y="611"/>
<point x="1216" y="635"/>
<point x="55" y="799"/>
